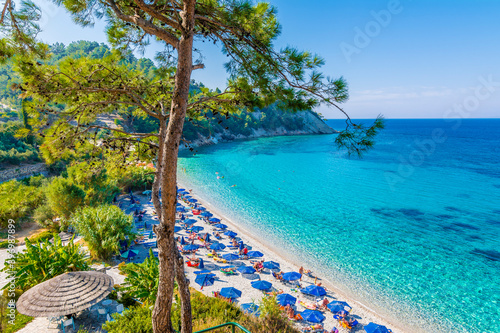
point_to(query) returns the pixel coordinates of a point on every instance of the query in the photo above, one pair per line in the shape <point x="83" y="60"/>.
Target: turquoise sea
<point x="412" y="230"/>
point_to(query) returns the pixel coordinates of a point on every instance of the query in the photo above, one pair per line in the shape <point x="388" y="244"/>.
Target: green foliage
<point x="43" y="236"/>
<point x="133" y="320"/>
<point x="359" y="138"/>
<point x="94" y="181"/>
<point x="141" y="280"/>
<point x="15" y="150"/>
<point x="19" y="322"/>
<point x="43" y="215"/>
<point x="5" y="244"/>
<point x="102" y="227"/>
<point x="44" y="260"/>
<point x="131" y="177"/>
<point x="64" y="197"/>
<point x="18" y="201"/>
<point x="207" y="312"/>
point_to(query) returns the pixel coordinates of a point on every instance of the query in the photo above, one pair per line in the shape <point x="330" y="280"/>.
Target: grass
<point x="20" y="322"/>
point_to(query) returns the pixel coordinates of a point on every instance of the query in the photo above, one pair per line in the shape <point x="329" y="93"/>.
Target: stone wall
<point x="22" y="171"/>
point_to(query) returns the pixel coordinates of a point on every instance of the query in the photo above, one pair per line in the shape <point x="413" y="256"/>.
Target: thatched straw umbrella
<point x="65" y="294"/>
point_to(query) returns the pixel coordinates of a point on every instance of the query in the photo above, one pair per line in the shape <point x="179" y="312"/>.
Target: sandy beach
<point x="359" y="311"/>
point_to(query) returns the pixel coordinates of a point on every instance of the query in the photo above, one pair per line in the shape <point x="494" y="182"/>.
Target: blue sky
<point x="401" y="58"/>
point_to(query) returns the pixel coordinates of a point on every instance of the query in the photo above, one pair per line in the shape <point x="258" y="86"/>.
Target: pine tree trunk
<point x="169" y="264"/>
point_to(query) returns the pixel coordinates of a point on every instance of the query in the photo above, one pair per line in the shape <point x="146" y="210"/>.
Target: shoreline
<point x="359" y="310"/>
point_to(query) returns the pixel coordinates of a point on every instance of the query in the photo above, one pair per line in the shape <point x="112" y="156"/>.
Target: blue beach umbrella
<point x="187" y="197"/>
<point x="271" y="265"/>
<point x="375" y="328"/>
<point x="191" y="247"/>
<point x="230" y="234"/>
<point x="147" y="192"/>
<point x="180" y="209"/>
<point x="250" y="308"/>
<point x="255" y="254"/>
<point x="180" y="189"/>
<point x="286" y="299"/>
<point x="201" y="265"/>
<point x="206" y="214"/>
<point x="230" y="256"/>
<point x="196" y="229"/>
<point x="217" y="246"/>
<point x="230" y="292"/>
<point x="261" y="285"/>
<point x="241" y="245"/>
<point x="205" y="280"/>
<point x="203" y="271"/>
<point x="336" y="307"/>
<point x="151" y="236"/>
<point x="129" y="254"/>
<point x="312" y="316"/>
<point x="292" y="276"/>
<point x="220" y="226"/>
<point x="183" y="241"/>
<point x="246" y="270"/>
<point x="192" y="200"/>
<point x="314" y="290"/>
<point x="200" y="208"/>
<point x="214" y="219"/>
<point x="190" y="221"/>
<point x="177" y="229"/>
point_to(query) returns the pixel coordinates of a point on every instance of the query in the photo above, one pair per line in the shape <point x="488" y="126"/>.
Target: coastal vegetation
<point x="44" y="260"/>
<point x="141" y="280"/>
<point x="207" y="312"/>
<point x="102" y="228"/>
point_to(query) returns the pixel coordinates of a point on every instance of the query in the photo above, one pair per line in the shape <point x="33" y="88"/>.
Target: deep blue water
<point x="411" y="230"/>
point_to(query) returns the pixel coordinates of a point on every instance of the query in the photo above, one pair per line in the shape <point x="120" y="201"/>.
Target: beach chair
<point x="120" y="308"/>
<point x="66" y="323"/>
<point x="54" y="319"/>
<point x="190" y="264"/>
<point x="101" y="312"/>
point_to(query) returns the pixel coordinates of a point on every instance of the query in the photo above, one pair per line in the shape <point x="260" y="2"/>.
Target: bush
<point x="44" y="260"/>
<point x="98" y="188"/>
<point x="133" y="320"/>
<point x="43" y="236"/>
<point x="132" y="177"/>
<point x="18" y="201"/>
<point x="102" y="228"/>
<point x="207" y="312"/>
<point x="64" y="197"/>
<point x="5" y="244"/>
<point x="141" y="280"/>
<point x="43" y="215"/>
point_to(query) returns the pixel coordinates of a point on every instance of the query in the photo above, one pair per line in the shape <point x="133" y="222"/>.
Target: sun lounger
<point x="191" y="264"/>
<point x="230" y="272"/>
<point x="310" y="306"/>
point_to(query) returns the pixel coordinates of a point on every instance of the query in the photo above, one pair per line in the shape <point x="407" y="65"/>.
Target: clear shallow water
<point x="412" y="229"/>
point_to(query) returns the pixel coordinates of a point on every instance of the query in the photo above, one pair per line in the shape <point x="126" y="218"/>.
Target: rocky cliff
<point x="306" y="122"/>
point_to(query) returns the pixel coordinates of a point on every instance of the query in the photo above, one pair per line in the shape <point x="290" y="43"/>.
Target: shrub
<point x="141" y="280"/>
<point x="43" y="236"/>
<point x="207" y="312"/>
<point x="5" y="244"/>
<point x="133" y="320"/>
<point x="43" y="215"/>
<point x="102" y="228"/>
<point x="132" y="177"/>
<point x="64" y="197"/>
<point x="44" y="260"/>
<point x="18" y="201"/>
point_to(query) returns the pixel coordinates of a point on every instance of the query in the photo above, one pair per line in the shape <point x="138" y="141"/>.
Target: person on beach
<point x="334" y="330"/>
<point x="301" y="272"/>
<point x="214" y="254"/>
<point x="324" y="303"/>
